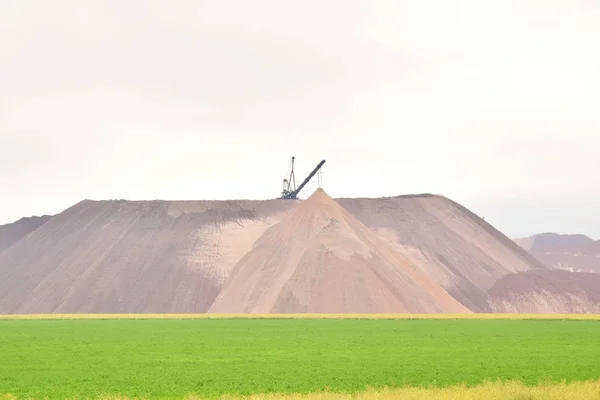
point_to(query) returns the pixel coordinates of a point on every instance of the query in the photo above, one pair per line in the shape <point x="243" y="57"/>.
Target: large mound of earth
<point x="131" y="257"/>
<point x="175" y="256"/>
<point x="575" y="253"/>
<point x="321" y="259"/>
<point x="547" y="292"/>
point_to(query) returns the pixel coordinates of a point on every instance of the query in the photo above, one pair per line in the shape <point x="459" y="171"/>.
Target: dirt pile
<point x="120" y="256"/>
<point x="551" y="291"/>
<point x="321" y="259"/>
<point x="575" y="253"/>
<point x="12" y="233"/>
<point x="174" y="256"/>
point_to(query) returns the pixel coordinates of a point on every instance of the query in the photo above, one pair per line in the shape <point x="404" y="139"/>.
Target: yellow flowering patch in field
<point x="486" y="391"/>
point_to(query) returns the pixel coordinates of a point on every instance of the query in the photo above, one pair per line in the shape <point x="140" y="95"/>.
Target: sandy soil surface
<point x="174" y="256"/>
<point x="119" y="256"/>
<point x="550" y="291"/>
<point x="455" y="247"/>
<point x="575" y="253"/>
<point x="321" y="259"/>
<point x="12" y="233"/>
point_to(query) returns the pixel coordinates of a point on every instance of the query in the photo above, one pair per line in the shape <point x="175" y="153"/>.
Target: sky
<point x="492" y="103"/>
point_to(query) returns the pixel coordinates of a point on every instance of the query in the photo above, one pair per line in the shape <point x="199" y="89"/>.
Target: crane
<point x="289" y="190"/>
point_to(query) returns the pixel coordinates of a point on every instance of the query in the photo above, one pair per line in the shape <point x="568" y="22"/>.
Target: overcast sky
<point x="493" y="103"/>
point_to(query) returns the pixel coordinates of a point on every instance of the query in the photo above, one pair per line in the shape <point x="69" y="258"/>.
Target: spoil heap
<point x="321" y="259"/>
<point x="131" y="257"/>
<point x="175" y="256"/>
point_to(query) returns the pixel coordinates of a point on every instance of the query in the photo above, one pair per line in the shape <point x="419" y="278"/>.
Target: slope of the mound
<point x="547" y="292"/>
<point x="525" y="243"/>
<point x="13" y="232"/>
<point x="575" y="253"/>
<point x="120" y="256"/>
<point x="321" y="259"/>
<point x="458" y="249"/>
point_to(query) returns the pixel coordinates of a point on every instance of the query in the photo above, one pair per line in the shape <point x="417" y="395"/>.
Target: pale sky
<point x="493" y="103"/>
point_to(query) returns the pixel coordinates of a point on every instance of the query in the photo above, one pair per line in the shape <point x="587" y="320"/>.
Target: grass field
<point x="153" y="358"/>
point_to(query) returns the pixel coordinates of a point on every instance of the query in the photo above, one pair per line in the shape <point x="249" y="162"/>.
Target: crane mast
<point x="289" y="190"/>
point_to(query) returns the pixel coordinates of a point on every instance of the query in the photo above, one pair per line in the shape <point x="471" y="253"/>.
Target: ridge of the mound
<point x="321" y="259"/>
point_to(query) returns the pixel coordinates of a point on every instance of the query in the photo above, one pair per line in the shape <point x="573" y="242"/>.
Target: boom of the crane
<point x="289" y="185"/>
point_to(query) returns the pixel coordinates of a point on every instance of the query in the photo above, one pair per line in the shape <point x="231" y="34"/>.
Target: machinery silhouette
<point x="289" y="190"/>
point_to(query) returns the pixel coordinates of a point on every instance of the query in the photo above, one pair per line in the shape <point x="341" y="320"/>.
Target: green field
<point x="175" y="358"/>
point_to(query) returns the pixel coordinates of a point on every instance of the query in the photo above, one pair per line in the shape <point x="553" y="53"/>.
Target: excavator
<point x="289" y="191"/>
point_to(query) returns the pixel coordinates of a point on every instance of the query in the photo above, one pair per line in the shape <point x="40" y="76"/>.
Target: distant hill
<point x="568" y="252"/>
<point x="13" y="232"/>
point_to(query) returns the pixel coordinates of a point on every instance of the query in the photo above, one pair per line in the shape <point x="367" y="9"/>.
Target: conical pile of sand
<point x="321" y="259"/>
